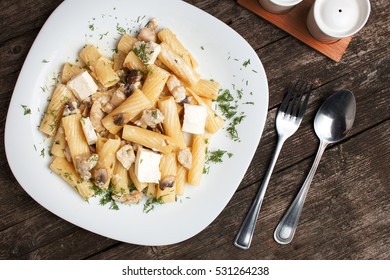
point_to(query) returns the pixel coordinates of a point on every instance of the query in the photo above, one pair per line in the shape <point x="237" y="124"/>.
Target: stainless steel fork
<point x="288" y="119"/>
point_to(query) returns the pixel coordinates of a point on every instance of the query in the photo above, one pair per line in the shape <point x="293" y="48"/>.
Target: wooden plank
<point x="350" y="225"/>
<point x="340" y="219"/>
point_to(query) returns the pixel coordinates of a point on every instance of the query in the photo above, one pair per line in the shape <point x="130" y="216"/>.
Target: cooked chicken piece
<point x="84" y="165"/>
<point x="134" y="197"/>
<point x="126" y="156"/>
<point x="176" y="88"/>
<point x="116" y="99"/>
<point x="148" y="33"/>
<point x="151" y="118"/>
<point x="184" y="157"/>
<point x="96" y="116"/>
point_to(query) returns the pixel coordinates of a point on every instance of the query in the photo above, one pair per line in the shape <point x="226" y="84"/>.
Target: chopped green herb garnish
<point x="202" y="48"/>
<point x="43" y="152"/>
<point x="232" y="130"/>
<point x="246" y="63"/>
<point x="26" y="109"/>
<point x="214" y="157"/>
<point x="151" y="202"/>
<point x="92" y="27"/>
<point x="141" y="53"/>
<point x="45" y="61"/>
<point x="120" y="30"/>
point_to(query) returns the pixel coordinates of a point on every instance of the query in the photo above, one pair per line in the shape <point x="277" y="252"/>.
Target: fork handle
<point x="245" y="234"/>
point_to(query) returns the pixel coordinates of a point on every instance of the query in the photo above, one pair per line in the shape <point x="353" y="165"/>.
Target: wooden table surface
<point x="347" y="212"/>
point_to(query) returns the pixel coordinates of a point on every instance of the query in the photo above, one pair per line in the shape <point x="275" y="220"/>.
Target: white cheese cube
<point x="82" y="85"/>
<point x="89" y="131"/>
<point x="147" y="52"/>
<point x="194" y="118"/>
<point x="147" y="166"/>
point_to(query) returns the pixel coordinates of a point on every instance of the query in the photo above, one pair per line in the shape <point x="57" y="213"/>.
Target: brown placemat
<point x="294" y="23"/>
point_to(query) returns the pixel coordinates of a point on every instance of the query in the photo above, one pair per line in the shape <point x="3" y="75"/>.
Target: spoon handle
<point x="244" y="236"/>
<point x="285" y="230"/>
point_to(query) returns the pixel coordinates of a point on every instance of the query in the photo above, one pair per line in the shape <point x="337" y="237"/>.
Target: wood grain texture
<point x="346" y="215"/>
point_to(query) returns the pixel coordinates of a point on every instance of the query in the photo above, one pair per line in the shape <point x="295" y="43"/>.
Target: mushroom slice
<point x="96" y="116"/>
<point x="184" y="157"/>
<point x="85" y="163"/>
<point x="126" y="156"/>
<point x="70" y="108"/>
<point x="133" y="81"/>
<point x="130" y="198"/>
<point x="100" y="177"/>
<point x="167" y="182"/>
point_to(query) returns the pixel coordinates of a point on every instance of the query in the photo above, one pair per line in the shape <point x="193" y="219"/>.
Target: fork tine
<point x="305" y="101"/>
<point x="289" y="96"/>
<point x="304" y="91"/>
<point x="298" y="91"/>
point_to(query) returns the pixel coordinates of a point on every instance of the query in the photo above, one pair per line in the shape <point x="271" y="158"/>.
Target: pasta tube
<point x="126" y="43"/>
<point x="198" y="159"/>
<point x="132" y="62"/>
<point x="53" y="114"/>
<point x="178" y="65"/>
<point x="147" y="138"/>
<point x="69" y="71"/>
<point x="154" y="83"/>
<point x="59" y="143"/>
<point x="128" y="110"/>
<point x="90" y="55"/>
<point x="105" y="73"/>
<point x="168" y="37"/>
<point x="67" y="172"/>
<point x="166" y="190"/>
<point x="104" y="168"/>
<point x="206" y="88"/>
<point x="75" y="136"/>
<point x="171" y="121"/>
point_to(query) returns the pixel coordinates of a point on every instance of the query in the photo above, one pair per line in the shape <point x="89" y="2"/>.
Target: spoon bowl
<point x="335" y="117"/>
<point x="332" y="123"/>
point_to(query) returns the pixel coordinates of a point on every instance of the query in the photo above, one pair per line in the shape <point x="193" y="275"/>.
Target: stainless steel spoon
<point x="333" y="121"/>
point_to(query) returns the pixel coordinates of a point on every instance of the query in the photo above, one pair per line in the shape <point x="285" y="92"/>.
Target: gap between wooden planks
<point x="294" y="23"/>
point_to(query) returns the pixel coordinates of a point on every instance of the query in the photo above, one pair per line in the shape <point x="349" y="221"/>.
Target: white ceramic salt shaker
<point x="331" y="20"/>
<point x="279" y="6"/>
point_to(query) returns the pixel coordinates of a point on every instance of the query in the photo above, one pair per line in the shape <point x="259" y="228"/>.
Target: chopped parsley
<point x="43" y="152"/>
<point x="232" y="130"/>
<point x="224" y="101"/>
<point x="120" y="30"/>
<point x="26" y="109"/>
<point x="214" y="157"/>
<point x="106" y="197"/>
<point x="202" y="48"/>
<point x="91" y="27"/>
<point x="45" y="61"/>
<point x="151" y="202"/>
<point x="141" y="53"/>
<point x="246" y="63"/>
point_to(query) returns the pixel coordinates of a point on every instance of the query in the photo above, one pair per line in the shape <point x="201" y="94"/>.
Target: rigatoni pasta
<point x="53" y="114"/>
<point x="138" y="103"/>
